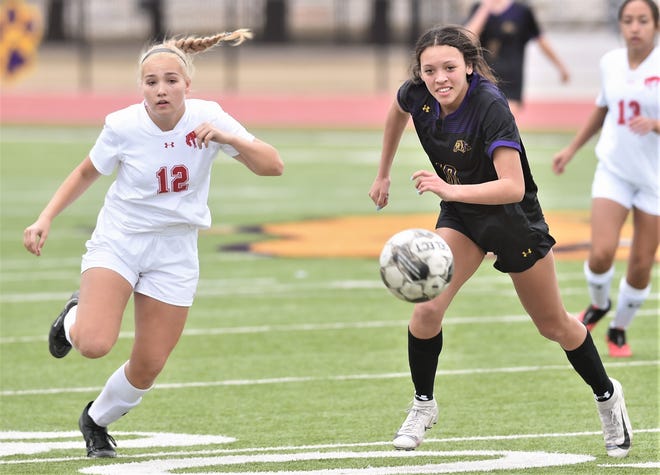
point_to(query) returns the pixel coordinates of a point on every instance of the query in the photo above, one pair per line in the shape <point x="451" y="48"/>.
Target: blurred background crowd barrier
<point x="300" y="46"/>
<point x="288" y="21"/>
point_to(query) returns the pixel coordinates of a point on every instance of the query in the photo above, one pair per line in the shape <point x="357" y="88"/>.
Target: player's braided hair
<point x="196" y="44"/>
<point x="187" y="46"/>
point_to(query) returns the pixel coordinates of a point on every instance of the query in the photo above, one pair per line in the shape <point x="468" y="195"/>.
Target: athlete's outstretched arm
<point x="395" y="124"/>
<point x="588" y="130"/>
<point x="35" y="235"/>
<point x="549" y="52"/>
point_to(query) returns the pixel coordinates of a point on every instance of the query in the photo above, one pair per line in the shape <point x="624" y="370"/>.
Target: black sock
<point x="589" y="366"/>
<point x="423" y="360"/>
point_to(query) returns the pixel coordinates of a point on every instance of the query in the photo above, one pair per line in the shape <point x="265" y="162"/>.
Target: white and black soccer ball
<point x="416" y="265"/>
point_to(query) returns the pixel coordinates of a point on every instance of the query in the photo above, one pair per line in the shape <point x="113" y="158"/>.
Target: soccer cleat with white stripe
<point x="421" y="417"/>
<point x="58" y="345"/>
<point x="592" y="315"/>
<point x="617" y="431"/>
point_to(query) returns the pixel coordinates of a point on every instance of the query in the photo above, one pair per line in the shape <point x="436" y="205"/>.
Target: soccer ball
<point x="416" y="265"/>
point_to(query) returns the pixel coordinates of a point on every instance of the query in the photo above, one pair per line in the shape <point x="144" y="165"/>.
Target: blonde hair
<point x="185" y="47"/>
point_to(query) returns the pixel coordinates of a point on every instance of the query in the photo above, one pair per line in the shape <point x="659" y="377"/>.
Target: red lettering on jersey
<point x="635" y="110"/>
<point x="169" y="144"/>
<point x="179" y="179"/>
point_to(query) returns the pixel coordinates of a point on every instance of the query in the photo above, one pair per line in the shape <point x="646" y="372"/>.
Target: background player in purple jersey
<point x="627" y="178"/>
<point x="145" y="240"/>
<point x="489" y="204"/>
<point x="504" y="28"/>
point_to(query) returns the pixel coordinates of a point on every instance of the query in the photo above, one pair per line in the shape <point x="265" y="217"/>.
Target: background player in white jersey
<point x="145" y="240"/>
<point x="627" y="177"/>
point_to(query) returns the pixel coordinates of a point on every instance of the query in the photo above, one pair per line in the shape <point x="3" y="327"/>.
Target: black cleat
<point x="57" y="343"/>
<point x="616" y="343"/>
<point x="592" y="315"/>
<point x="99" y="443"/>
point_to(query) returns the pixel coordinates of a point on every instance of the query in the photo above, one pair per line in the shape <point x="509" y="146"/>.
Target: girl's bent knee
<point x="93" y="349"/>
<point x="550" y="333"/>
<point x="554" y="332"/>
<point x="568" y="333"/>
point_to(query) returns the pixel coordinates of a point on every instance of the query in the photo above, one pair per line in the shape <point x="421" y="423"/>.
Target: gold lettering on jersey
<point x="462" y="146"/>
<point x="509" y="27"/>
<point x="451" y="176"/>
<point x="426" y="108"/>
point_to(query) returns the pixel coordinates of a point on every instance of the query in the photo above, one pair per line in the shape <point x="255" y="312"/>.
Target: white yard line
<point x="296" y="327"/>
<point x="312" y="379"/>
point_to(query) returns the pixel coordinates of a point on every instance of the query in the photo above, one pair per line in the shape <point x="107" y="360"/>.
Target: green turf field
<point x="292" y="365"/>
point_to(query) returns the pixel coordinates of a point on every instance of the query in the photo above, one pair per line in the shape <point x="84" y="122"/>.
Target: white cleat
<point x="421" y="417"/>
<point x="617" y="431"/>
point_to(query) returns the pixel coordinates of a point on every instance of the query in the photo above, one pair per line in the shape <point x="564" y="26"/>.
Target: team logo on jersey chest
<point x="426" y="108"/>
<point x="462" y="146"/>
<point x="652" y="81"/>
<point x="190" y="139"/>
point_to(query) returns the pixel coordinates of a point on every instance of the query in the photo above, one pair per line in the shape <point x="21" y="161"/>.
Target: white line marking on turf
<point x="262" y="288"/>
<point x="43" y="447"/>
<point x="454" y="320"/>
<point x="631" y="465"/>
<point x="142" y="441"/>
<point x="158" y="464"/>
<point x="493" y="460"/>
<point x="296" y="327"/>
<point x="308" y="379"/>
<point x="274" y="290"/>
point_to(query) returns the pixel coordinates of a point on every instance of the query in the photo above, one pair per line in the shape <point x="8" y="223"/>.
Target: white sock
<point x="599" y="286"/>
<point x="629" y="301"/>
<point x="69" y="320"/>
<point x="117" y="398"/>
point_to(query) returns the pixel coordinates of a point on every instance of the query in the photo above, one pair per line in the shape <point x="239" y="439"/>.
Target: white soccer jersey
<point x="162" y="178"/>
<point x="628" y="93"/>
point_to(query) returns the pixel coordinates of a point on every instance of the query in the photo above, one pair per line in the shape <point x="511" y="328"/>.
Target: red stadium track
<point x="337" y="111"/>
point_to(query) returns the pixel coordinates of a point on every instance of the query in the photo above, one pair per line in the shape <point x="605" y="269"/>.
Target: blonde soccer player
<point x="145" y="240"/>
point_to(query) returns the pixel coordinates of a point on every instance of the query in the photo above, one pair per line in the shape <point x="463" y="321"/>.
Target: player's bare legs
<point x="538" y="291"/>
<point x="158" y="327"/>
<point x="103" y="298"/>
<point x="635" y="287"/>
<point x="425" y="341"/>
<point x="607" y="219"/>
<point x="426" y="320"/>
<point x="645" y="241"/>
